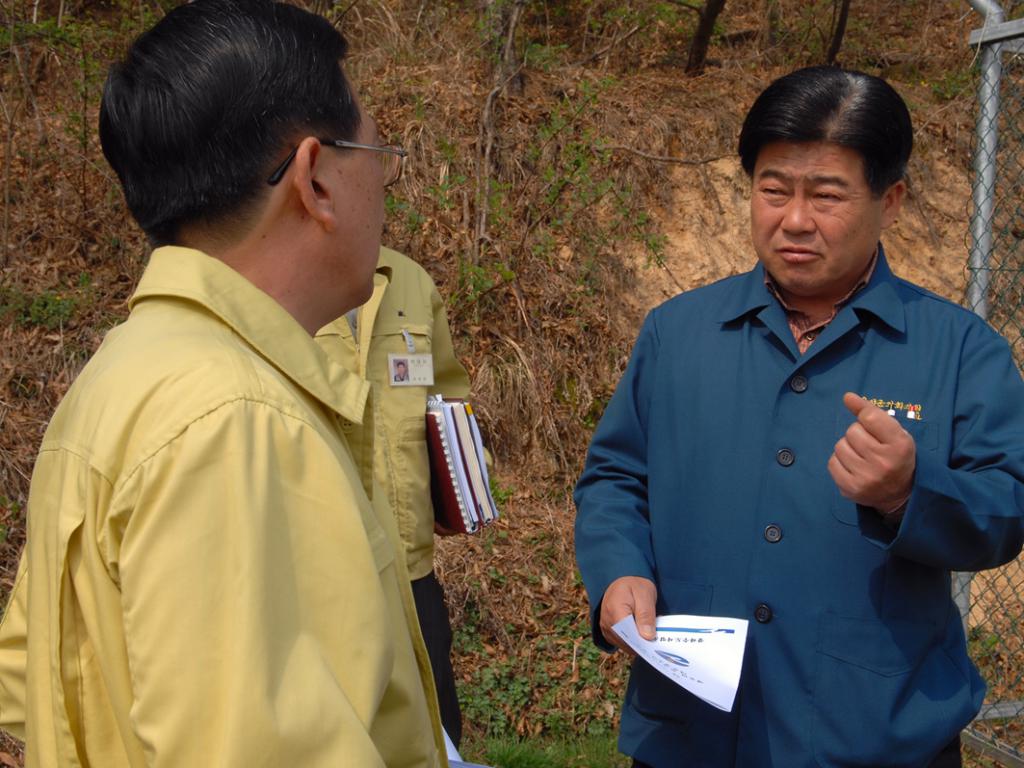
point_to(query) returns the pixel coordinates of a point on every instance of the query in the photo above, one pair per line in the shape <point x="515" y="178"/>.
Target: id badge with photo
<point x="410" y="370"/>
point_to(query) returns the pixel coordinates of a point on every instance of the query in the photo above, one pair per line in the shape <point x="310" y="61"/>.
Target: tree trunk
<point x="702" y="37"/>
<point x="502" y="18"/>
<point x="838" y="33"/>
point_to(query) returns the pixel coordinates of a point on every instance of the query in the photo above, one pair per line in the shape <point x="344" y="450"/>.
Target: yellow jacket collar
<point x="185" y="273"/>
<point x="386" y="262"/>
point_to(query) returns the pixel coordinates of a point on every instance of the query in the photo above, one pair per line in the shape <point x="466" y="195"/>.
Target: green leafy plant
<point x="50" y="309"/>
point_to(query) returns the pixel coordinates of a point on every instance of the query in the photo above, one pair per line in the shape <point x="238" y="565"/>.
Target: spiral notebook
<point x="459" y="484"/>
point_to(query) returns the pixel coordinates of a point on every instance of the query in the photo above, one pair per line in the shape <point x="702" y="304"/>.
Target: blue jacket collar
<point x="879" y="297"/>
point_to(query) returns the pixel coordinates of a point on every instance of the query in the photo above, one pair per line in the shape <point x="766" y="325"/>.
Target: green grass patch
<point x="590" y="752"/>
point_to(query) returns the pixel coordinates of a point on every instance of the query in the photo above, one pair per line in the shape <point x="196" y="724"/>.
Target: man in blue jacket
<point x="813" y="445"/>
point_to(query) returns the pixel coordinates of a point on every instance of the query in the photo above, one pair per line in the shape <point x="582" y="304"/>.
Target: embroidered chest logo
<point x="897" y="408"/>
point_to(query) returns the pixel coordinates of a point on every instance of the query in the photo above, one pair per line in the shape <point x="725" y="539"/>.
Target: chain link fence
<point x="990" y="602"/>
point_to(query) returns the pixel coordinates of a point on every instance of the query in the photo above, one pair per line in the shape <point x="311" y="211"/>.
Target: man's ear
<point x="892" y="201"/>
<point x="308" y="180"/>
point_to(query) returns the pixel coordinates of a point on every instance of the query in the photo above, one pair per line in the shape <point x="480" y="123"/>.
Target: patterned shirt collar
<point x="805" y="328"/>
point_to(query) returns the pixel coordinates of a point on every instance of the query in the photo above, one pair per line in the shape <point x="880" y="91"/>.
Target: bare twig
<point x="585" y="27"/>
<point x="541" y="215"/>
<point x="517" y="292"/>
<point x="8" y="159"/>
<point x="487" y="129"/>
<point x="507" y="56"/>
<point x="466" y="228"/>
<point x="483" y="184"/>
<point x="396" y="28"/>
<point x="343" y="14"/>
<point x="689" y="6"/>
<point x="672" y="276"/>
<point x="419" y="15"/>
<point x="614" y="43"/>
<point x="662" y="158"/>
<point x="84" y="138"/>
<point x="30" y="98"/>
<point x="913" y="195"/>
<point x="525" y="188"/>
<point x="709" y="189"/>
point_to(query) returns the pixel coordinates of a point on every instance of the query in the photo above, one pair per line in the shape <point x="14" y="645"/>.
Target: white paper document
<point x="703" y="654"/>
<point x="454" y="758"/>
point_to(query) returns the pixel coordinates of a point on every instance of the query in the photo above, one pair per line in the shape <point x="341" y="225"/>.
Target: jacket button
<point x="798" y="384"/>
<point x="763" y="613"/>
<point x="785" y="457"/>
<point x="773" y="534"/>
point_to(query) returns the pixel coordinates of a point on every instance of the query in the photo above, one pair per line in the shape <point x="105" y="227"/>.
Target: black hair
<point x="845" y="107"/>
<point x="206" y="102"/>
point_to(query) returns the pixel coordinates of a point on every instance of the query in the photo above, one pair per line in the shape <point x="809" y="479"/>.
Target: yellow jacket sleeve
<point x="13" y="633"/>
<point x="260" y="604"/>
<point x="450" y="378"/>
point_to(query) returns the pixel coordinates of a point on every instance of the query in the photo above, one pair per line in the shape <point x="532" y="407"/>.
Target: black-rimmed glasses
<point x="392" y="158"/>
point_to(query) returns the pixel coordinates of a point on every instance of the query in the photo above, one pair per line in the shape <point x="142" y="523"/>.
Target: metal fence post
<point x="991" y="606"/>
<point x="985" y="163"/>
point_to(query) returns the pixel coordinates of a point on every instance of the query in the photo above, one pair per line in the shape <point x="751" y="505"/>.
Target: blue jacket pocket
<point x="886" y="693"/>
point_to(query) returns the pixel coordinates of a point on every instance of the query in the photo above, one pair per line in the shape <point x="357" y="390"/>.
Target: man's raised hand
<point x="873" y="463"/>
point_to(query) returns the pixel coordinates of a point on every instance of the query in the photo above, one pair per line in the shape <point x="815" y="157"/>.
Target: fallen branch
<point x="661" y="158"/>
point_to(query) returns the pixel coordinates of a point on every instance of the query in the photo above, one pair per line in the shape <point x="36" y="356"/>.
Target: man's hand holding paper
<point x="628" y="596"/>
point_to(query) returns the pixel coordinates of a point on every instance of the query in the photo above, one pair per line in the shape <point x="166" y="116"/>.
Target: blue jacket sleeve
<point x="966" y="511"/>
<point x="613" y="535"/>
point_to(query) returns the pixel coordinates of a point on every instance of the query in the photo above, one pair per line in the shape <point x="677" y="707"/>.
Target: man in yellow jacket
<point x="400" y="341"/>
<point x="209" y="578"/>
